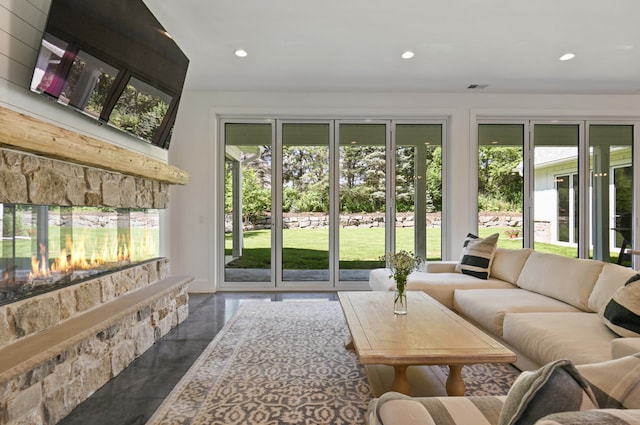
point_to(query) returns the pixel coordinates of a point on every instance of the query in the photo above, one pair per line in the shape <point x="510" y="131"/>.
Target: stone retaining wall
<point x="313" y="220"/>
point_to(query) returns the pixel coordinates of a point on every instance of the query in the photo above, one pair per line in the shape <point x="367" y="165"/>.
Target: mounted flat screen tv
<point x="112" y="61"/>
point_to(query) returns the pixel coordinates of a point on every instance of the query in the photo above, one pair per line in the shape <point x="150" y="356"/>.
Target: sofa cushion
<point x="507" y="263"/>
<point x="555" y="387"/>
<point x="487" y="307"/>
<point x="477" y="255"/>
<point x="615" y="383"/>
<point x="622" y="312"/>
<point x="566" y="279"/>
<point x="544" y="337"/>
<point x="621" y="347"/>
<point x="394" y="408"/>
<point x="599" y="417"/>
<point x="441" y="285"/>
<point x="610" y="279"/>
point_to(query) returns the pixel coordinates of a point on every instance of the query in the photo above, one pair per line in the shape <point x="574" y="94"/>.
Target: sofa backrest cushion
<point x="615" y="383"/>
<point x="566" y="279"/>
<point x="622" y="312"/>
<point x="610" y="280"/>
<point x="507" y="263"/>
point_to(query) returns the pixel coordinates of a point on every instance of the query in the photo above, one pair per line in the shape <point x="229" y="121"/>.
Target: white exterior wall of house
<point x="546" y="198"/>
<point x="190" y="226"/>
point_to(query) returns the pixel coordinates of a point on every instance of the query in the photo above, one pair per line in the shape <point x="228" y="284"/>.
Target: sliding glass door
<point x="576" y="180"/>
<point x="611" y="172"/>
<point x="248" y="201"/>
<point x="556" y="187"/>
<point x="310" y="205"/>
<point x="305" y="204"/>
<point x="501" y="182"/>
<point x="363" y="168"/>
<point x="418" y="189"/>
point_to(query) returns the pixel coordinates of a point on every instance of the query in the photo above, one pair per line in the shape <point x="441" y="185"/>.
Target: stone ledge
<point x="25" y="354"/>
<point x="43" y="377"/>
<point x="35" y="314"/>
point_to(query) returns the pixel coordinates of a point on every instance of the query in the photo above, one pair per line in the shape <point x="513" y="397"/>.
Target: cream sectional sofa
<point x="558" y="393"/>
<point x="543" y="306"/>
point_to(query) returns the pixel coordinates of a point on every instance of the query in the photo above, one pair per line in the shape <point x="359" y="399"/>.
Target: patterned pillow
<point x="477" y="255"/>
<point x="555" y="387"/>
<point x="622" y="312"/>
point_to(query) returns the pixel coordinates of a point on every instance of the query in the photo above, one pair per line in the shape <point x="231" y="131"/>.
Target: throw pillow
<point x="622" y="313"/>
<point x="555" y="387"/>
<point x="477" y="255"/>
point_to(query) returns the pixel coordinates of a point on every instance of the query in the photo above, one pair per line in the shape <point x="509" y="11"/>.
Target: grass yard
<point x="306" y="249"/>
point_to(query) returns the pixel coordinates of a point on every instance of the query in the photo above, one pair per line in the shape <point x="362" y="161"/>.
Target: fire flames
<point x="75" y="257"/>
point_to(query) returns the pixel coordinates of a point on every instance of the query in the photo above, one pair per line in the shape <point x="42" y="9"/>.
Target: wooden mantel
<point x="25" y="133"/>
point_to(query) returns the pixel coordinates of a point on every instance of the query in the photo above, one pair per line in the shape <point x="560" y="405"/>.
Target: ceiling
<point x="512" y="46"/>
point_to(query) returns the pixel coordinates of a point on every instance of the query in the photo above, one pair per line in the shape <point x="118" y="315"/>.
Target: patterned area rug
<point x="285" y="363"/>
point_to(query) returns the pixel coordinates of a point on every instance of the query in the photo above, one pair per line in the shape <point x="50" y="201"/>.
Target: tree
<point x="499" y="186"/>
<point x="434" y="178"/>
<point x="362" y="178"/>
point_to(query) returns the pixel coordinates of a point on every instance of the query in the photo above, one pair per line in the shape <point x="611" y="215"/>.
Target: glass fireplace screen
<point x="47" y="247"/>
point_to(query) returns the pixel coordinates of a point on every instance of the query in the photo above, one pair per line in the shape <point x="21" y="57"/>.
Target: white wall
<point x="193" y="212"/>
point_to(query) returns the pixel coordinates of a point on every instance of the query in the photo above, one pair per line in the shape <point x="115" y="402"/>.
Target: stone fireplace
<point x="61" y="223"/>
<point x="83" y="290"/>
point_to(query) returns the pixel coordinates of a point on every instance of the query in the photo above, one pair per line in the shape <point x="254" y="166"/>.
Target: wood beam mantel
<point x="25" y="133"/>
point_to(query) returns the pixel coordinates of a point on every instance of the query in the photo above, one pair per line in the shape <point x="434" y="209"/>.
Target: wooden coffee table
<point x="429" y="334"/>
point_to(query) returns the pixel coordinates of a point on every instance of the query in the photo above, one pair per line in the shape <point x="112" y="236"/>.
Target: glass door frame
<point x="335" y="197"/>
<point x="583" y="182"/>
<point x="278" y="213"/>
<point x="635" y="229"/>
<point x="420" y="229"/>
<point x="220" y="243"/>
<point x="527" y="168"/>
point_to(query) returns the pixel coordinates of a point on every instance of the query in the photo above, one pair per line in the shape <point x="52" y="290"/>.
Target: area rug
<point x="282" y="363"/>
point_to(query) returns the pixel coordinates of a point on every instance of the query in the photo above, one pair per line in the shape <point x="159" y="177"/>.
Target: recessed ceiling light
<point x="165" y="33"/>
<point x="407" y="55"/>
<point x="567" y="56"/>
<point x="241" y="53"/>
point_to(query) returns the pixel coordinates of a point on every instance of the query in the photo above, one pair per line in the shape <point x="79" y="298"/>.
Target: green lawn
<point x="359" y="248"/>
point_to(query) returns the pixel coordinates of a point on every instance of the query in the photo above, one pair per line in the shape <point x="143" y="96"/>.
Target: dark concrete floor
<point x="132" y="396"/>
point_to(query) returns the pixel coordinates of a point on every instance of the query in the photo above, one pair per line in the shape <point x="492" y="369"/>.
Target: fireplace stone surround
<point x="59" y="347"/>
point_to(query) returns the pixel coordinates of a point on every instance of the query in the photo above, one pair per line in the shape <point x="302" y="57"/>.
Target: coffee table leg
<point x="400" y="381"/>
<point x="455" y="383"/>
<point x="349" y="345"/>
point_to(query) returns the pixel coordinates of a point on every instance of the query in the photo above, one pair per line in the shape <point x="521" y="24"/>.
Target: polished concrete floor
<point x="133" y="396"/>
